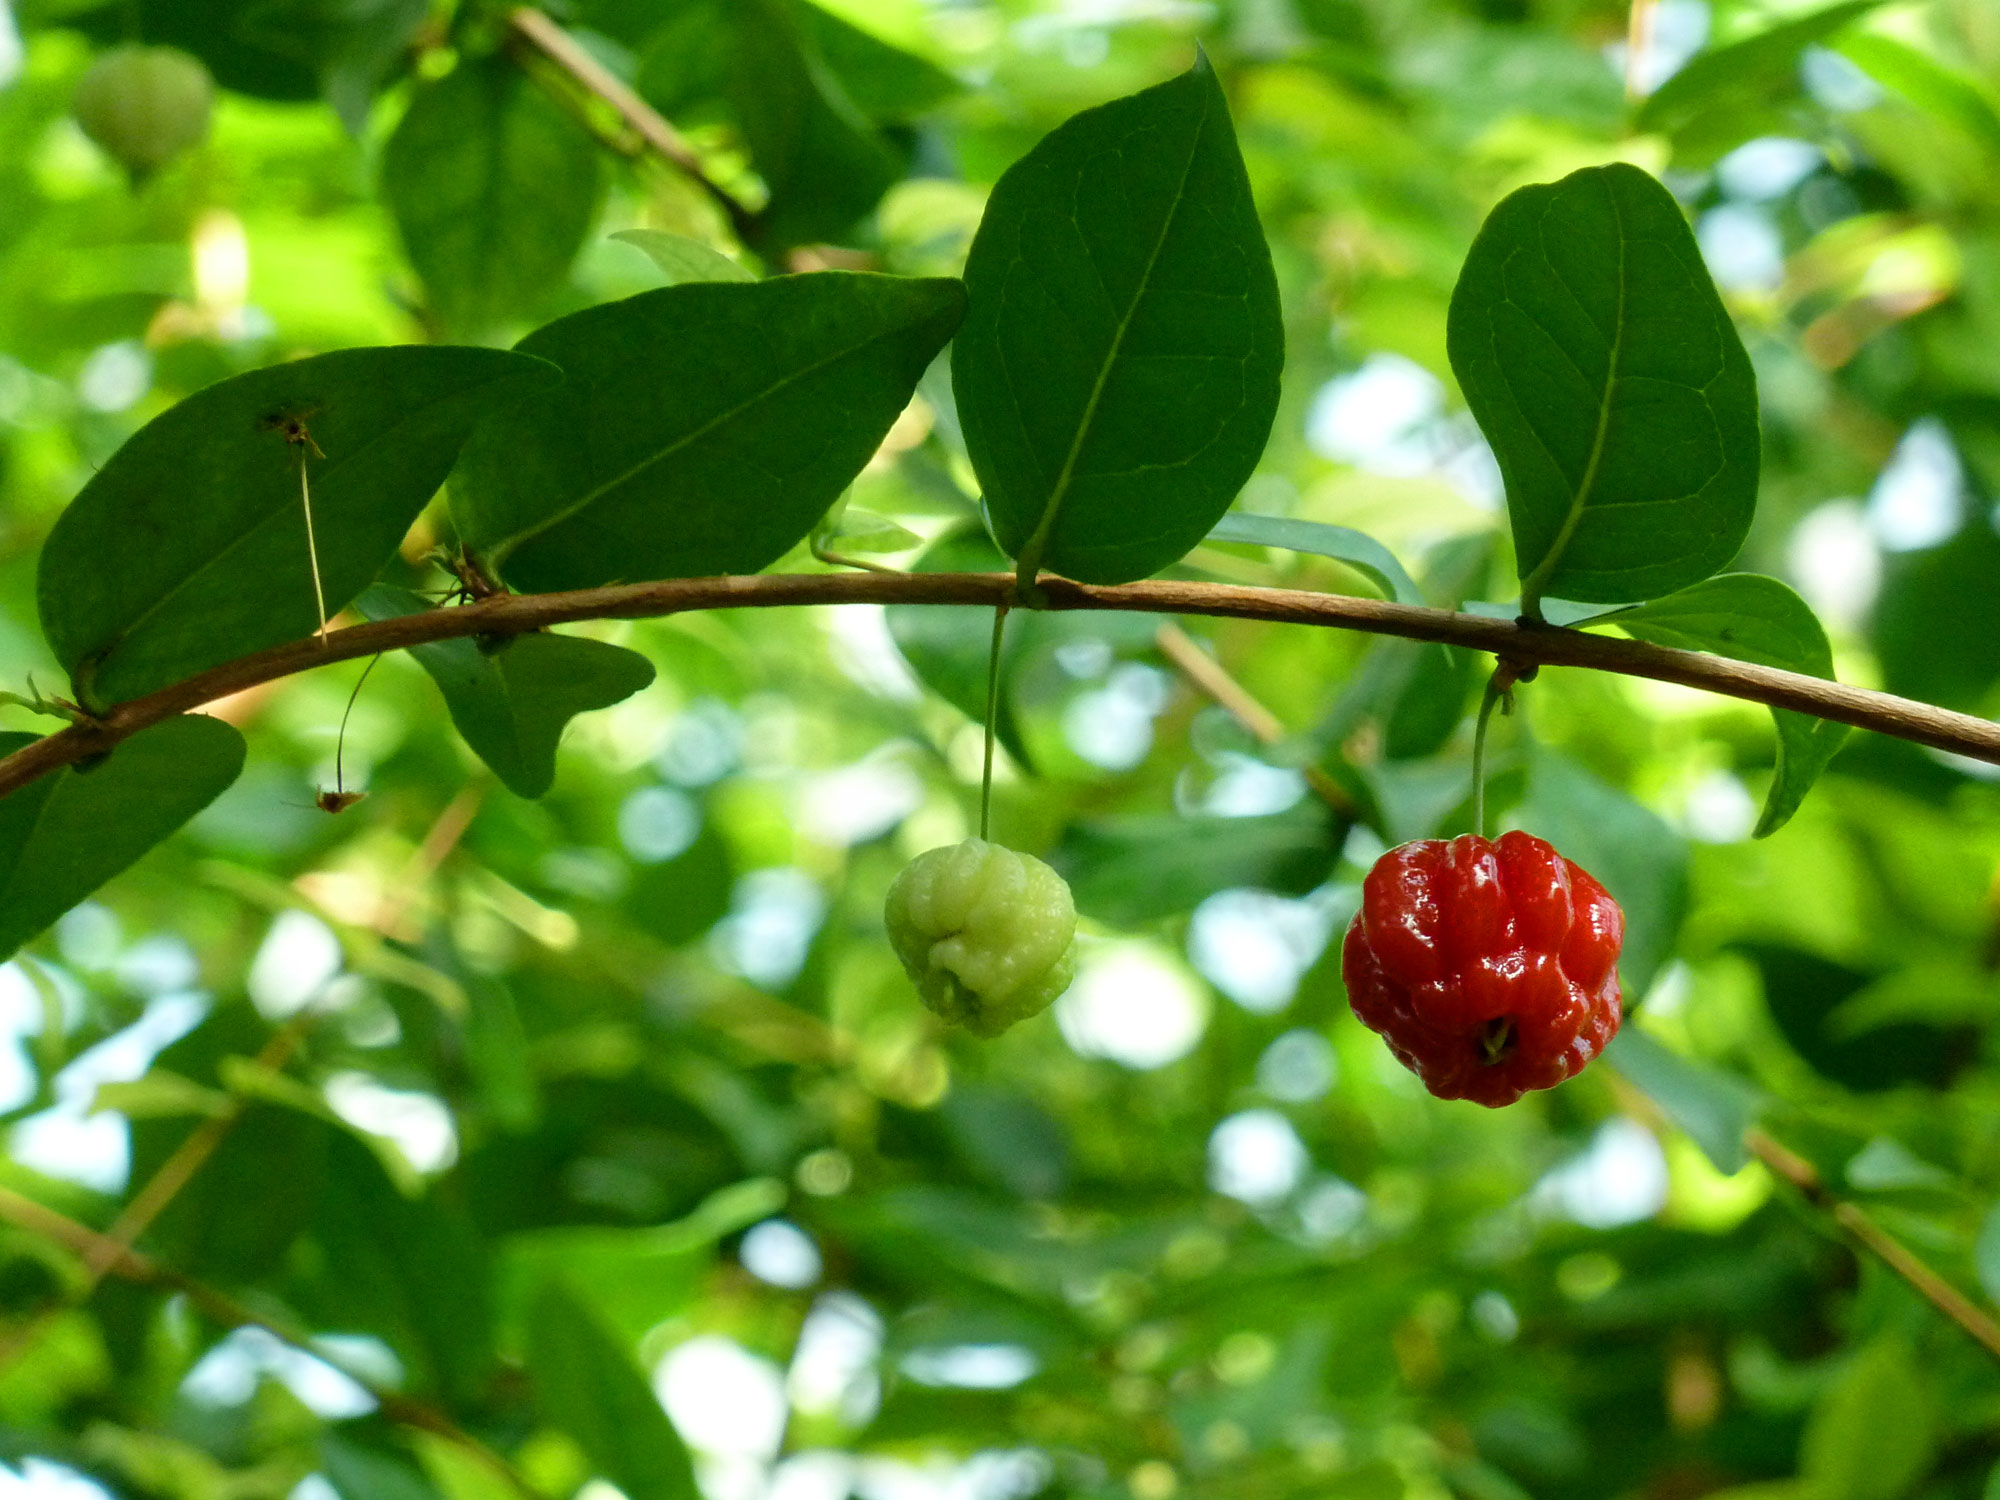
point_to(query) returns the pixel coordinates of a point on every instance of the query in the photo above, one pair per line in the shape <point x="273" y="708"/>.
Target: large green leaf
<point x="189" y="547"/>
<point x="1753" y="618"/>
<point x="702" y="428"/>
<point x="513" y="698"/>
<point x="587" y="1385"/>
<point x="494" y="189"/>
<point x="1872" y="1435"/>
<point x="1607" y="376"/>
<point x="64" y="835"/>
<point x="1118" y="372"/>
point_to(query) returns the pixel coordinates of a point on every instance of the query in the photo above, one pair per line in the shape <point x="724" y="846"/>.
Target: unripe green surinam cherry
<point x="145" y="105"/>
<point x="988" y="935"/>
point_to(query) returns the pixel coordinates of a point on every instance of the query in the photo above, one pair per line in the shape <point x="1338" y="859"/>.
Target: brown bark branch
<point x="1522" y="644"/>
<point x="1872" y="1237"/>
<point x="535" y="28"/>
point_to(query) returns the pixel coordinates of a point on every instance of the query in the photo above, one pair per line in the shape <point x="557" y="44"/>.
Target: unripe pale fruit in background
<point x="145" y="105"/>
<point x="988" y="935"/>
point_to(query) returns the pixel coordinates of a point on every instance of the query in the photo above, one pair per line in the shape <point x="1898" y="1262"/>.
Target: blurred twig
<point x="121" y="1260"/>
<point x="1525" y="644"/>
<point x="549" y="39"/>
<point x="1211" y="677"/>
<point x="1872" y="1237"/>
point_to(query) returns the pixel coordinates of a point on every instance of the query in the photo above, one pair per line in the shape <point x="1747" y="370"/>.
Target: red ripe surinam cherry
<point x="1490" y="967"/>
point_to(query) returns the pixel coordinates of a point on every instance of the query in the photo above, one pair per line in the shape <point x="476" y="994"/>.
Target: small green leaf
<point x="1117" y="376"/>
<point x="683" y="260"/>
<point x="587" y="1385"/>
<point x="863" y="531"/>
<point x="1714" y="1109"/>
<point x="1631" y="851"/>
<point x="64" y="835"/>
<point x="702" y="429"/>
<point x="1752" y="618"/>
<point x="512" y="699"/>
<point x="372" y="1471"/>
<point x="1986" y="1254"/>
<point x="1135" y="869"/>
<point x="494" y="189"/>
<point x="1872" y="1435"/>
<point x="948" y="645"/>
<point x="1606" y="374"/>
<point x="1341" y="543"/>
<point x="189" y="548"/>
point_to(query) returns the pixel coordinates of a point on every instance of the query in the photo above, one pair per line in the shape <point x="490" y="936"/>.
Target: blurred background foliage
<point x="565" y="1106"/>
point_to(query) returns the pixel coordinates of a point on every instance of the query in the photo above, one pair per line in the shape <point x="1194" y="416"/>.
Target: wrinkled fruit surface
<point x="1490" y="968"/>
<point x="988" y="935"/>
<point x="144" y="105"/>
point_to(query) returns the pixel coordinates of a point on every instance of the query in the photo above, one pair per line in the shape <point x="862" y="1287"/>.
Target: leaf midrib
<point x="1535" y="582"/>
<point x="512" y="544"/>
<point x="1029" y="562"/>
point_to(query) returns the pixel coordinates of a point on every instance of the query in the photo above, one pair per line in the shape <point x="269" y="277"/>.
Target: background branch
<point x="1523" y="644"/>
<point x="535" y="28"/>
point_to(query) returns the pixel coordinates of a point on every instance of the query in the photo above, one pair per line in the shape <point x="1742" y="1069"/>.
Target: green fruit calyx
<point x="145" y="105"/>
<point x="987" y="935"/>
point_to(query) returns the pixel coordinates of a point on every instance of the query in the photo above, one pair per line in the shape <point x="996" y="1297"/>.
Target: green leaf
<point x="1341" y="543"/>
<point x="493" y="188"/>
<point x="886" y="84"/>
<point x="1753" y="618"/>
<point x="1129" y="870"/>
<point x="587" y="1385"/>
<point x="513" y="698"/>
<point x="1607" y="376"/>
<point x="1944" y="93"/>
<point x="1633" y="854"/>
<point x="702" y="429"/>
<point x="1936" y="624"/>
<point x="1714" y="1109"/>
<point x="1118" y="373"/>
<point x="862" y="531"/>
<point x="64" y="835"/>
<point x="189" y="547"/>
<point x="372" y="1471"/>
<point x="948" y="645"/>
<point x="1872" y="1435"/>
<point x="1713" y="103"/>
<point x="1986" y="1254"/>
<point x="814" y="146"/>
<point x="683" y="260"/>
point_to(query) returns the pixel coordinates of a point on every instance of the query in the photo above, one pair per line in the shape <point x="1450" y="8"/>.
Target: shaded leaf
<point x="188" y="548"/>
<point x="948" y="645"/>
<point x="587" y="1385"/>
<point x="1714" y="1109"/>
<point x="1806" y="994"/>
<point x="1936" y="624"/>
<point x="702" y="429"/>
<point x="1607" y="376"/>
<point x="1125" y="871"/>
<point x="1117" y="376"/>
<point x="683" y="260"/>
<point x="885" y="83"/>
<point x="1705" y="104"/>
<point x="1944" y="93"/>
<point x="513" y="698"/>
<point x="493" y="188"/>
<point x="1633" y="854"/>
<point x="64" y="835"/>
<point x="1753" y="618"/>
<point x="372" y="1471"/>
<point x="1986" y="1254"/>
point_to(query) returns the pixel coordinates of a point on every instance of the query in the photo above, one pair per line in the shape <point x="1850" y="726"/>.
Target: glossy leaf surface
<point x="1607" y="376"/>
<point x="188" y="548"/>
<point x="512" y="699"/>
<point x="1754" y="618"/>
<point x="701" y="429"/>
<point x="1118" y="372"/>
<point x="63" y="836"/>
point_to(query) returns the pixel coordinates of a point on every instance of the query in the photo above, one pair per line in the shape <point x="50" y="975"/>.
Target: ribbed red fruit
<point x="1490" y="967"/>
